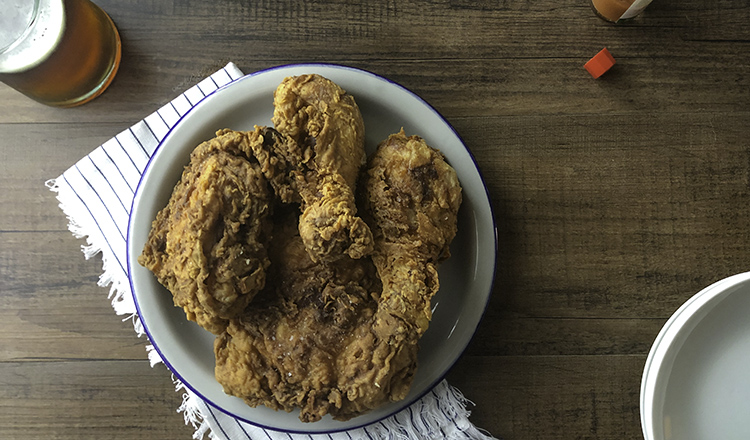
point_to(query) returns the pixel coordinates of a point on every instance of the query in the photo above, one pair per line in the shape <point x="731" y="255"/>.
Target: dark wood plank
<point x="89" y="400"/>
<point x="509" y="57"/>
<point x="31" y="154"/>
<point x="476" y="87"/>
<point x="51" y="307"/>
<point x="552" y="397"/>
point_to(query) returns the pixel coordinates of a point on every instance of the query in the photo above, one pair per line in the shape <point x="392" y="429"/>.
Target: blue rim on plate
<point x="476" y="241"/>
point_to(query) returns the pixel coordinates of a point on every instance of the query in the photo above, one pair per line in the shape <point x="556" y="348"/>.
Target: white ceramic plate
<point x="466" y="278"/>
<point x="696" y="383"/>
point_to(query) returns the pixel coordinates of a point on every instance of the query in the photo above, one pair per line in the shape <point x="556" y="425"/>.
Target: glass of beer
<point x="61" y="53"/>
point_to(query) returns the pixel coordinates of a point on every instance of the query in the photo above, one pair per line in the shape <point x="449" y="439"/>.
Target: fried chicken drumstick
<point x="325" y="155"/>
<point x="412" y="196"/>
<point x="331" y="338"/>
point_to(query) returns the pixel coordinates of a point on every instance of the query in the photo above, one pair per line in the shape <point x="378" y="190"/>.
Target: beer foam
<point x="37" y="41"/>
<point x="16" y="17"/>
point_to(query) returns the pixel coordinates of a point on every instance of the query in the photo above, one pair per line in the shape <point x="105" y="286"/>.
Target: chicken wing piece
<point x="326" y="154"/>
<point x="208" y="245"/>
<point x="413" y="197"/>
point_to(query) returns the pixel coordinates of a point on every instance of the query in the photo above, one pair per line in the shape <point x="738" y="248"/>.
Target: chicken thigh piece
<point x="285" y="351"/>
<point x="208" y="245"/>
<point x="326" y="154"/>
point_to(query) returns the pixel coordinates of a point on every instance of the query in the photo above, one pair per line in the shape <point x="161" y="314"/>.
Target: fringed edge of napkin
<point x="442" y="413"/>
<point x="81" y="228"/>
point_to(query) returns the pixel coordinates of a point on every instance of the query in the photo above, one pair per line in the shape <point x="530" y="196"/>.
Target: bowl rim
<point x="487" y="196"/>
<point x="670" y="339"/>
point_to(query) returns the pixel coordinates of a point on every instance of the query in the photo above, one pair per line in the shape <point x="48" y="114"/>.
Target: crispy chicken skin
<point x="325" y="155"/>
<point x="289" y="349"/>
<point x="264" y="143"/>
<point x="412" y="196"/>
<point x="332" y="338"/>
<point x="207" y="246"/>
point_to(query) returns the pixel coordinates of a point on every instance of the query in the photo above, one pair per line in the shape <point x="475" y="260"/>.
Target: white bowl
<point x="465" y="279"/>
<point x="696" y="383"/>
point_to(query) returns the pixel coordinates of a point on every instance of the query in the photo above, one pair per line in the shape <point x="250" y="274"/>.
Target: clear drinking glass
<point x="59" y="52"/>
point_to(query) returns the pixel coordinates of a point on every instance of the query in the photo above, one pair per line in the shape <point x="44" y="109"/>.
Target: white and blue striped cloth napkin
<point x="97" y="193"/>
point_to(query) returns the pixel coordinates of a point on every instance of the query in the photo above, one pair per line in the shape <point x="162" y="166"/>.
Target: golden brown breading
<point x="286" y="351"/>
<point x="326" y="153"/>
<point x="331" y="338"/>
<point x="325" y="123"/>
<point x="267" y="145"/>
<point x="413" y="197"/>
<point x="207" y="246"/>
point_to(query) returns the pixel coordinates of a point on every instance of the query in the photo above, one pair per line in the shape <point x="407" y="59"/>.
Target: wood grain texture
<point x="90" y="399"/>
<point x="580" y="397"/>
<point x="615" y="199"/>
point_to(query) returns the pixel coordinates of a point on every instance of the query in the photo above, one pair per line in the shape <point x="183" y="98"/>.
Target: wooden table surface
<point x="616" y="199"/>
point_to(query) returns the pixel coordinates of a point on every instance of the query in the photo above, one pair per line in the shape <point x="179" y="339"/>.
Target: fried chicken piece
<point x="331" y="338"/>
<point x="265" y="144"/>
<point x="413" y="197"/>
<point x="326" y="153"/>
<point x="208" y="245"/>
<point x="286" y="350"/>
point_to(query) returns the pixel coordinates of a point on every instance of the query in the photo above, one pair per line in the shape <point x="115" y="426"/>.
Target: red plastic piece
<point x="600" y="63"/>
